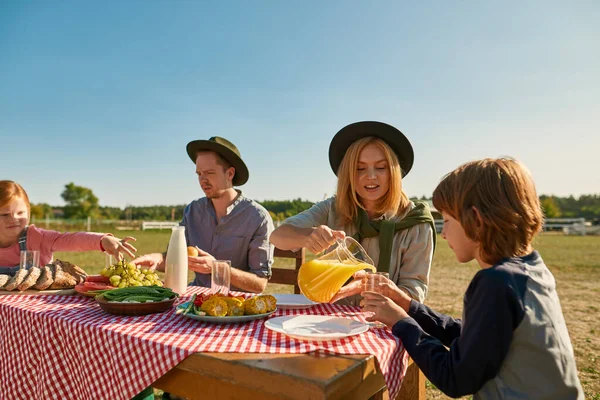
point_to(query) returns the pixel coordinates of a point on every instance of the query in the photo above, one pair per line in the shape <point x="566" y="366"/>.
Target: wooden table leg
<point x="316" y="375"/>
<point x="413" y="385"/>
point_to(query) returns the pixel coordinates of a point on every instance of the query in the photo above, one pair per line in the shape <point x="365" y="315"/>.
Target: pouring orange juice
<point x="320" y="279"/>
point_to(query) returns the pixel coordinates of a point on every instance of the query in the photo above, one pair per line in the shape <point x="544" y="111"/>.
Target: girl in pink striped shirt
<point x="16" y="234"/>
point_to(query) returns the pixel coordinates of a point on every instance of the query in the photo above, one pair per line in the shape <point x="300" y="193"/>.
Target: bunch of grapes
<point x="124" y="274"/>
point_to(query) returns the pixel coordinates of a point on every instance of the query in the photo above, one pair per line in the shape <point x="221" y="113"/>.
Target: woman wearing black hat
<point x="370" y="159"/>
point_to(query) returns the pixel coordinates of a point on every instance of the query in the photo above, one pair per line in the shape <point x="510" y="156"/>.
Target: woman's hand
<point x="383" y="308"/>
<point x="202" y="263"/>
<point x="381" y="284"/>
<point x="321" y="238"/>
<point x="115" y="246"/>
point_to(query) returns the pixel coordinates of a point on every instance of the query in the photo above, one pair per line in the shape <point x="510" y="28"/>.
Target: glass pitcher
<point x="320" y="279"/>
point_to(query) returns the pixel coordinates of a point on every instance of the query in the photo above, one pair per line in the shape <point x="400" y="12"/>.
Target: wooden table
<point x="180" y="356"/>
<point x="314" y="375"/>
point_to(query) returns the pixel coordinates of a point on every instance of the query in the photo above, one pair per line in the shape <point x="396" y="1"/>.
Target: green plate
<point x="223" y="320"/>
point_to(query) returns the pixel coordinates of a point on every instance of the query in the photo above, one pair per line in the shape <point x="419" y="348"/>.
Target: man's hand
<point x="384" y="309"/>
<point x="321" y="238"/>
<point x="150" y="261"/>
<point x="202" y="263"/>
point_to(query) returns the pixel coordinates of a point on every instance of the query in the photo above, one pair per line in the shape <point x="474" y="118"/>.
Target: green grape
<point x="115" y="280"/>
<point x="124" y="274"/>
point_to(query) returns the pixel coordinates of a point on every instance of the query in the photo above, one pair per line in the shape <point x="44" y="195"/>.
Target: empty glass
<point x="371" y="280"/>
<point x="371" y="283"/>
<point x="108" y="260"/>
<point x="29" y="259"/>
<point x="220" y="280"/>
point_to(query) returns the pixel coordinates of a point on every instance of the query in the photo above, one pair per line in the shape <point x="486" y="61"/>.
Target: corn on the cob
<point x="255" y="305"/>
<point x="215" y="307"/>
<point x="235" y="306"/>
<point x="271" y="302"/>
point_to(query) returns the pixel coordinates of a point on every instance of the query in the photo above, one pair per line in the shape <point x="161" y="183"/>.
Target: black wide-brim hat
<point x="358" y="130"/>
<point x="225" y="149"/>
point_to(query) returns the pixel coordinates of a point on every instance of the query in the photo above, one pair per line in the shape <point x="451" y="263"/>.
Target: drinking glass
<point x="370" y="285"/>
<point x="220" y="280"/>
<point x="29" y="259"/>
<point x="371" y="280"/>
<point x="108" y="260"/>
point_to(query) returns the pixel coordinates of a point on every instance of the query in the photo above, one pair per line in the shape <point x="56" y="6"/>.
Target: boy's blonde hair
<point x="11" y="191"/>
<point x="503" y="192"/>
<point x="347" y="202"/>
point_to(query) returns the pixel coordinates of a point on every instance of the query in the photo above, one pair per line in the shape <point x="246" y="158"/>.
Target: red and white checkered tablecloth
<point x="66" y="347"/>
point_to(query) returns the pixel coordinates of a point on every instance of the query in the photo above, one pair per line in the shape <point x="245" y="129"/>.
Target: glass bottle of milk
<point x="176" y="265"/>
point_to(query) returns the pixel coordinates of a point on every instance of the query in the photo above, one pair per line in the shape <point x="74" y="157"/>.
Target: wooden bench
<point x="287" y="276"/>
<point x="413" y="386"/>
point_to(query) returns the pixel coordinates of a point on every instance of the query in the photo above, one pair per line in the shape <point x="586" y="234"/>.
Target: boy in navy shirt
<point x="512" y="341"/>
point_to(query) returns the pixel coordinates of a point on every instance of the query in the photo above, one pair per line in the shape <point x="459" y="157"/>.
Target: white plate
<point x="224" y="320"/>
<point x="291" y="301"/>
<point x="316" y="327"/>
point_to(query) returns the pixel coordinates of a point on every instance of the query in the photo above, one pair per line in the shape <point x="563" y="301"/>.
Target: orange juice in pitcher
<point x="320" y="279"/>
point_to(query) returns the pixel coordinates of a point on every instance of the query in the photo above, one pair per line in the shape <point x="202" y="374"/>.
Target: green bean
<point x="190" y="305"/>
<point x="142" y="299"/>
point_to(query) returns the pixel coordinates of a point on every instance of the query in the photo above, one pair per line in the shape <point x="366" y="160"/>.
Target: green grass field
<point x="574" y="261"/>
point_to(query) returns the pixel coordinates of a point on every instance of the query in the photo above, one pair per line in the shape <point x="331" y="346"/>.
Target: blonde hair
<point x="503" y="192"/>
<point x="347" y="202"/>
<point x="11" y="191"/>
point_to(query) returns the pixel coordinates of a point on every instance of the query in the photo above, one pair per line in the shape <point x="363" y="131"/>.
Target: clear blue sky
<point x="106" y="94"/>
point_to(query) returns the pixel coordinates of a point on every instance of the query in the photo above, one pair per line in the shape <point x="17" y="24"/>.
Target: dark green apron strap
<point x="387" y="230"/>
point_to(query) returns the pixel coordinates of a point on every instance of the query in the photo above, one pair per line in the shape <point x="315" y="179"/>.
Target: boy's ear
<point x="478" y="219"/>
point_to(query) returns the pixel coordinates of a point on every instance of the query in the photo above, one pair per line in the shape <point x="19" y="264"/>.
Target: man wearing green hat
<point x="224" y="225"/>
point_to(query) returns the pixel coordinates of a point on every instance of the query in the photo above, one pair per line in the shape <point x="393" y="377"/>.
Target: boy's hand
<point x="385" y="310"/>
<point x="201" y="264"/>
<point x="400" y="297"/>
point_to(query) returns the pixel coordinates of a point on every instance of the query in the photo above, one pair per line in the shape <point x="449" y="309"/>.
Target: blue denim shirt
<point x="241" y="236"/>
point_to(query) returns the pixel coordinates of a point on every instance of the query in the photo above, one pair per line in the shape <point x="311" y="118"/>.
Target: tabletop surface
<point x="66" y="346"/>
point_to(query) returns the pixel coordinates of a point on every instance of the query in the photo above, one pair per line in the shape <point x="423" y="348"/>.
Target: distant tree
<point x="111" y="213"/>
<point x="81" y="202"/>
<point x="282" y="209"/>
<point x="590" y="206"/>
<point x="156" y="213"/>
<point x="40" y="210"/>
<point x="550" y="207"/>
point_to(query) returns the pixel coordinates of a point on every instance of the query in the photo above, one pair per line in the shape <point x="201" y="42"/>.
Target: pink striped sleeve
<point x="47" y="241"/>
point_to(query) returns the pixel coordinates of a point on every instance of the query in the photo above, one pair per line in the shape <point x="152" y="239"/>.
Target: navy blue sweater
<point x="459" y="356"/>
